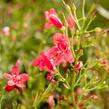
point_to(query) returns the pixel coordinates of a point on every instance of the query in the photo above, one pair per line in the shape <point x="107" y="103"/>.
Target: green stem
<point x="72" y="89"/>
<point x="79" y="78"/>
<point x="83" y="5"/>
<point x="83" y="13"/>
<point x="37" y="100"/>
<point x="70" y="12"/>
<point x="63" y="79"/>
<point x="72" y="47"/>
<point x="89" y="23"/>
<point x="77" y="20"/>
<point x="90" y="31"/>
<point x="78" y="44"/>
<point x="2" y="96"/>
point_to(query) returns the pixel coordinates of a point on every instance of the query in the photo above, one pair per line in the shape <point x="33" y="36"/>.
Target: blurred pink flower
<point x="16" y="80"/>
<point x="104" y="62"/>
<point x="108" y="70"/>
<point x="18" y="63"/>
<point x="78" y="66"/>
<point x="93" y="96"/>
<point x="78" y="91"/>
<point x="80" y="103"/>
<point x="6" y="31"/>
<point x="44" y="62"/>
<point x="71" y="22"/>
<point x="53" y="19"/>
<point x="61" y="52"/>
<point x="48" y="77"/>
<point x="51" y="101"/>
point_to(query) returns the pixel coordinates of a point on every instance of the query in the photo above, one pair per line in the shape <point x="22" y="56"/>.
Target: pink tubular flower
<point x="71" y="22"/>
<point x="61" y="52"/>
<point x="18" y="63"/>
<point x="78" y="66"/>
<point x="44" y="62"/>
<point x="53" y="19"/>
<point x="16" y="80"/>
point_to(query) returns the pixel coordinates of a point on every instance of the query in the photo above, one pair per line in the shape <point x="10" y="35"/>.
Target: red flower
<point x="44" y="62"/>
<point x="16" y="80"/>
<point x="71" y="22"/>
<point x="53" y="19"/>
<point x="61" y="52"/>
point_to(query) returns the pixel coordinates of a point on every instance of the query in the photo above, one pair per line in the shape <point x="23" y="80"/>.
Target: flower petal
<point x="7" y="76"/>
<point x="60" y="60"/>
<point x="9" y="88"/>
<point x="71" y="22"/>
<point x="43" y="62"/>
<point x="11" y="83"/>
<point x="69" y="56"/>
<point x="60" y="38"/>
<point x="36" y="62"/>
<point x="55" y="21"/>
<point x="20" y="85"/>
<point x="24" y="77"/>
<point x="52" y="11"/>
<point x="15" y="70"/>
<point x="52" y="51"/>
<point x="48" y="25"/>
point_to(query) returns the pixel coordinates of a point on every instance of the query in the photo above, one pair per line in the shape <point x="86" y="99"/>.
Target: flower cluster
<point x="61" y="52"/>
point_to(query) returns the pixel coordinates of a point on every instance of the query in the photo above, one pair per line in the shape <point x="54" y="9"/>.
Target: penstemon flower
<point x="53" y="19"/>
<point x="61" y="52"/>
<point x="78" y="65"/>
<point x="44" y="62"/>
<point x="71" y="22"/>
<point x="16" y="80"/>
